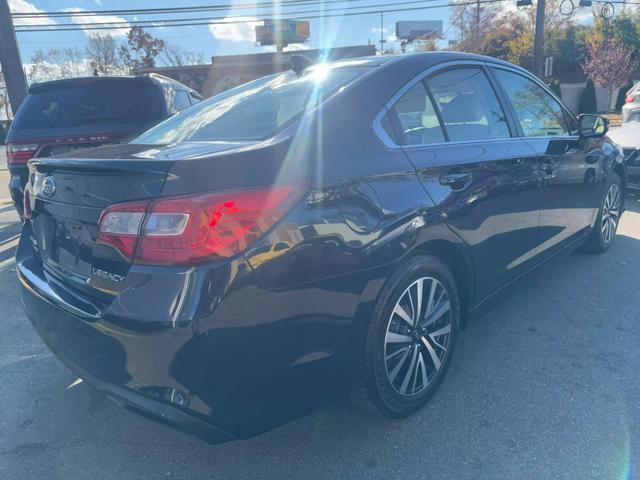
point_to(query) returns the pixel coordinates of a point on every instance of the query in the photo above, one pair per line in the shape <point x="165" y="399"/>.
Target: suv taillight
<point x="18" y="153"/>
<point x="631" y="98"/>
<point x="187" y="230"/>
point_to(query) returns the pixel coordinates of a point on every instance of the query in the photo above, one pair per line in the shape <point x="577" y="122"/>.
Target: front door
<point x="457" y="134"/>
<point x="571" y="167"/>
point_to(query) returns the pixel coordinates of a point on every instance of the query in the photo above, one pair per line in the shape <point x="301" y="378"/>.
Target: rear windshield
<point x="82" y="105"/>
<point x="253" y="111"/>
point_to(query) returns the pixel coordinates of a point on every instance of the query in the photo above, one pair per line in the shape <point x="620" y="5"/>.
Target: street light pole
<point x="538" y="43"/>
<point x="382" y="40"/>
<point x="10" y="59"/>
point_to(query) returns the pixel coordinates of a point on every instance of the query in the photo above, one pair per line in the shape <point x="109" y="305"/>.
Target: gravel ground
<point x="544" y="386"/>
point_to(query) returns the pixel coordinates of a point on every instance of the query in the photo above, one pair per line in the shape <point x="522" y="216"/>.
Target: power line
<point x="172" y="21"/>
<point x="169" y="10"/>
<point x="56" y="28"/>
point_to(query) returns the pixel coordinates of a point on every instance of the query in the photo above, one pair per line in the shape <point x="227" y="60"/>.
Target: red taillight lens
<point x="631" y="98"/>
<point x="120" y="227"/>
<point x="186" y="230"/>
<point x="18" y="153"/>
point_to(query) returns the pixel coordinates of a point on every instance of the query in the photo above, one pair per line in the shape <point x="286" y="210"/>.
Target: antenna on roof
<point x="299" y="63"/>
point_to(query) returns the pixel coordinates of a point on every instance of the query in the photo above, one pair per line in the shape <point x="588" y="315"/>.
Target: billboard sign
<point x="282" y="32"/>
<point x="410" y="30"/>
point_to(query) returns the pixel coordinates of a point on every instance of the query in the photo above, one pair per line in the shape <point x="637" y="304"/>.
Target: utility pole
<point x="382" y="40"/>
<point x="10" y="59"/>
<point x="538" y="43"/>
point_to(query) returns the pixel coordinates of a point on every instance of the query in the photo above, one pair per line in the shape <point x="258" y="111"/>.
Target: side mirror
<point x="593" y="126"/>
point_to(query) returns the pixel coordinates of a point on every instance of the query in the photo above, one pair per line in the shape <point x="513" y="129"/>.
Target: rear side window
<point x="252" y="111"/>
<point x="417" y="118"/>
<point x="468" y="105"/>
<point x="539" y="114"/>
<point x="181" y="100"/>
<point x="94" y="104"/>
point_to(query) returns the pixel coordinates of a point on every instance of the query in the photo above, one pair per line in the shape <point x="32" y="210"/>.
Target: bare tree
<point x="102" y="49"/>
<point x="58" y="63"/>
<point x="474" y="22"/>
<point x="141" y="49"/>
<point x="177" y="56"/>
<point x="610" y="64"/>
<point x="5" y="107"/>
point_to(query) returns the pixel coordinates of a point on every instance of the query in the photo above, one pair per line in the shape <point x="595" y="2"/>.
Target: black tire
<point x="374" y="388"/>
<point x="598" y="241"/>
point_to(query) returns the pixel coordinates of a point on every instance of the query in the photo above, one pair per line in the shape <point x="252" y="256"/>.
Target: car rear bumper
<point x="56" y="327"/>
<point x="98" y="355"/>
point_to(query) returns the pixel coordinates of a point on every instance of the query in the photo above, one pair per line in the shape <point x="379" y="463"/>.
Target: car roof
<point x="429" y="59"/>
<point x="151" y="78"/>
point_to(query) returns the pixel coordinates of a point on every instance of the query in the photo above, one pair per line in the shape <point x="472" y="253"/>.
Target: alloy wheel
<point x="417" y="336"/>
<point x="610" y="213"/>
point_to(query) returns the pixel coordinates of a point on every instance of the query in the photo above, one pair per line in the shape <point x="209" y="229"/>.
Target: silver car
<point x="631" y="109"/>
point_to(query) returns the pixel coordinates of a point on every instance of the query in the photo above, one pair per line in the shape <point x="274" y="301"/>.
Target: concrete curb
<point x="5" y="201"/>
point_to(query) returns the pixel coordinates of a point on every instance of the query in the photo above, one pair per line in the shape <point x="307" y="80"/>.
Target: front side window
<point x="468" y="105"/>
<point x="417" y="118"/>
<point x="254" y="111"/>
<point x="539" y="114"/>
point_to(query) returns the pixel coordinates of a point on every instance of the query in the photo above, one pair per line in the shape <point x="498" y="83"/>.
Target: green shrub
<point x="588" y="101"/>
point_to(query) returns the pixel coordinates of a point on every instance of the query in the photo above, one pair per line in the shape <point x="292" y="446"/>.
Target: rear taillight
<point x="26" y="206"/>
<point x="18" y="153"/>
<point x="120" y="227"/>
<point x="631" y="98"/>
<point x="187" y="230"/>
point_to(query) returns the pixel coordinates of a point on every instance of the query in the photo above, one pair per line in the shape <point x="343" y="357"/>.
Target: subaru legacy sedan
<point x="317" y="232"/>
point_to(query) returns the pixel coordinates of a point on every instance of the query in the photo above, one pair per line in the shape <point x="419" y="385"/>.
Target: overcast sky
<point x="219" y="39"/>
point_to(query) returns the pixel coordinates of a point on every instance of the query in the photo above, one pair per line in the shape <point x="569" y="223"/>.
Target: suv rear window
<point x="82" y="105"/>
<point x="253" y="111"/>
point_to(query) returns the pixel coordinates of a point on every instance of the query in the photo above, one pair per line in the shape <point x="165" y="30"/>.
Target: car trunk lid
<point x="67" y="198"/>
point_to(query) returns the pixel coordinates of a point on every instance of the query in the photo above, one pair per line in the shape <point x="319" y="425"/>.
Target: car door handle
<point x="457" y="181"/>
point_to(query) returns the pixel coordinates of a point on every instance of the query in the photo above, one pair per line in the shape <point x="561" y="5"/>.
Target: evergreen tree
<point x="588" y="101"/>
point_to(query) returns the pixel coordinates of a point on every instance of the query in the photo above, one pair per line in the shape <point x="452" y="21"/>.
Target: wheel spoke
<point x="397" y="338"/>
<point x="402" y="313"/>
<point x="416" y="371"/>
<point x="396" y="369"/>
<point x="441" y="331"/>
<point x="407" y="375"/>
<point x="418" y="312"/>
<point x="434" y="356"/>
<point x="423" y="369"/>
<point x="432" y="293"/>
<point x="400" y="351"/>
<point x="438" y="312"/>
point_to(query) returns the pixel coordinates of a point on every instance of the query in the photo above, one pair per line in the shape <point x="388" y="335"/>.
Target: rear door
<point x="452" y="126"/>
<point x="570" y="167"/>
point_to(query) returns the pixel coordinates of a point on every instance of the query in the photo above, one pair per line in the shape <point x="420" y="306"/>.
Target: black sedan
<point x="258" y="253"/>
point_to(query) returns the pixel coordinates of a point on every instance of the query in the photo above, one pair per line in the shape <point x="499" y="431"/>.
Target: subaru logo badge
<point x="48" y="186"/>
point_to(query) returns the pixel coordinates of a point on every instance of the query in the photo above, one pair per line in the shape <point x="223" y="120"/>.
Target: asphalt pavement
<point x="543" y="386"/>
